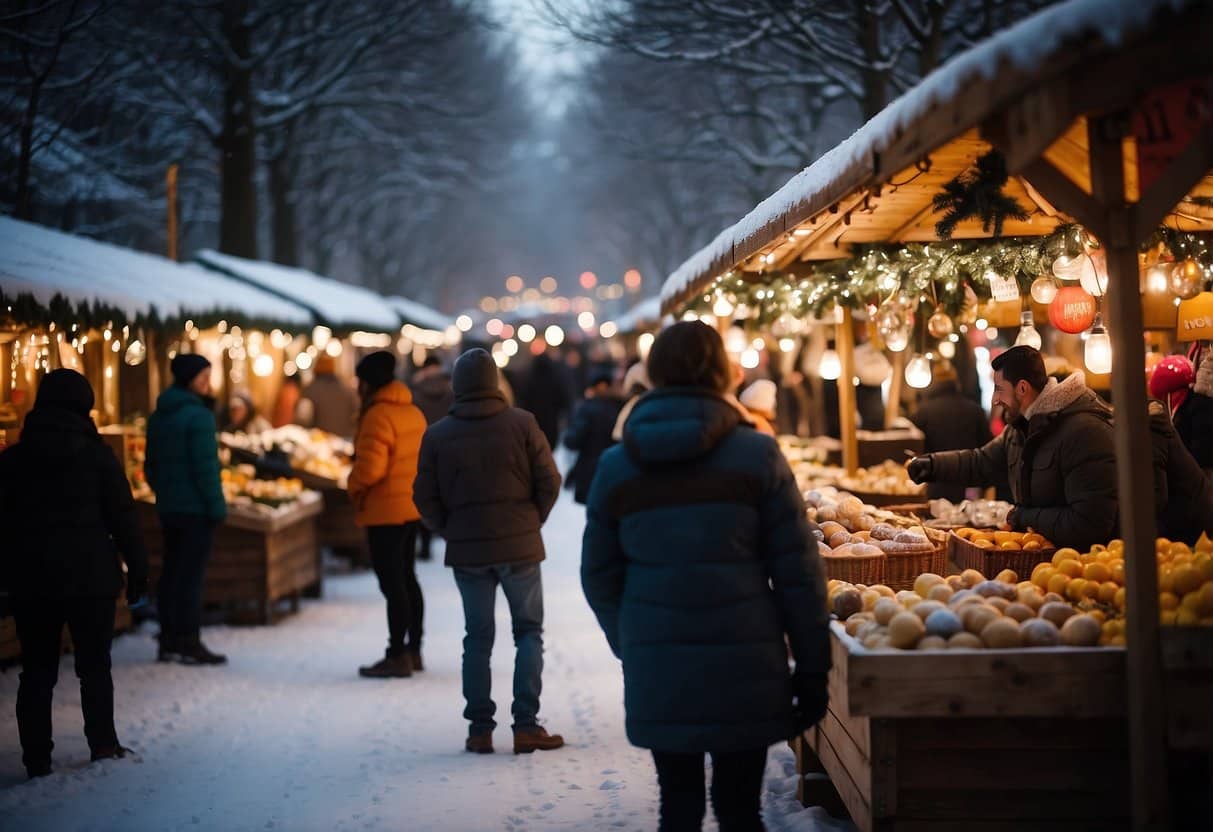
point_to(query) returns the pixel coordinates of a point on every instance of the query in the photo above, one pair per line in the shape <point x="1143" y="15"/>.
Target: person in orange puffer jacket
<point x="386" y="449"/>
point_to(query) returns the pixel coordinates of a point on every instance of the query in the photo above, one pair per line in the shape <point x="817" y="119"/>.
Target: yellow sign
<point x="1196" y="318"/>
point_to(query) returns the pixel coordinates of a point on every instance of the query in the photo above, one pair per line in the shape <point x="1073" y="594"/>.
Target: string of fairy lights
<point x="924" y="293"/>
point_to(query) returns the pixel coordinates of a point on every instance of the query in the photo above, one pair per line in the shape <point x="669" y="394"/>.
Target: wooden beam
<point x="1030" y="122"/>
<point x="805" y="243"/>
<point x="1067" y="196"/>
<point x="1134" y="480"/>
<point x="892" y="408"/>
<point x="1037" y="198"/>
<point x="1184" y="172"/>
<point x="844" y="343"/>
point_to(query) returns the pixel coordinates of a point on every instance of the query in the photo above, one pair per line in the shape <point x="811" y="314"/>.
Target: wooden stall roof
<point x="420" y="315"/>
<point x="645" y="314"/>
<point x="1040" y="77"/>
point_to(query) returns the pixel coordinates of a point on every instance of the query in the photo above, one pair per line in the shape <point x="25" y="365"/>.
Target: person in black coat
<point x="950" y="421"/>
<point x="67" y="513"/>
<point x="589" y="433"/>
<point x="433" y="394"/>
<point x="1183" y="494"/>
<point x="546" y="395"/>
<point x="486" y="481"/>
<point x="700" y="565"/>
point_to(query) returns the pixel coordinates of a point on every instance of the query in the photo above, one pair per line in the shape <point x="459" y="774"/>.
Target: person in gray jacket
<point x="1056" y="453"/>
<point x="486" y="482"/>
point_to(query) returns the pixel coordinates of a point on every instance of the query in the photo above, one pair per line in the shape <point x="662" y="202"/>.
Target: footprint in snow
<point x="609" y="786"/>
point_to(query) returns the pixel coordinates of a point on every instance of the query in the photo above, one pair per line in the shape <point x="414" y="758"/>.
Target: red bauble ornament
<point x="1072" y="310"/>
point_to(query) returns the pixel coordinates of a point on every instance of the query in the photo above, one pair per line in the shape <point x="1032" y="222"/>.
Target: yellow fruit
<point x="1119" y="600"/>
<point x="1206" y="600"/>
<point x="1192" y="603"/>
<point x="1204" y="565"/>
<point x="1097" y="572"/>
<point x="1006" y="537"/>
<point x="1187" y="618"/>
<point x="1177" y="549"/>
<point x="1168" y="601"/>
<point x="905" y="630"/>
<point x="1162" y="545"/>
<point x="971" y="578"/>
<point x="1106" y="556"/>
<point x="1075" y="589"/>
<point x="1166" y="579"/>
<point x="1113" y="628"/>
<point x="983" y="544"/>
<point x="1042" y="574"/>
<point x="1032" y="546"/>
<point x="1185" y="579"/>
<point x="924" y="582"/>
<point x="1007" y="576"/>
<point x="1087" y="558"/>
<point x="1057" y="583"/>
<point x="1064" y="553"/>
<point x="1117" y="567"/>
<point x="1107" y="592"/>
<point x="1070" y="567"/>
<point x="1010" y="546"/>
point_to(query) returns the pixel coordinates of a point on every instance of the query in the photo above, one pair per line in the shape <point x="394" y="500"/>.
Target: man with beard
<point x="1056" y="452"/>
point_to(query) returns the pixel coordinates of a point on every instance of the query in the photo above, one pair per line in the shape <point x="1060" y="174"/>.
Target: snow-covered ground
<point x="288" y="737"/>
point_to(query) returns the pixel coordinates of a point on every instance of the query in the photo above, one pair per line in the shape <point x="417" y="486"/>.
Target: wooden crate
<point x="256" y="561"/>
<point x="992" y="739"/>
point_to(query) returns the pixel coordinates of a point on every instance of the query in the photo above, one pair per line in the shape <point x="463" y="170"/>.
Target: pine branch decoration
<point x="978" y="193"/>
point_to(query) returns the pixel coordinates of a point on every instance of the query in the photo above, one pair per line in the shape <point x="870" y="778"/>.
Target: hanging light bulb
<point x="1157" y="279"/>
<point x="787" y="344"/>
<point x="830" y="367"/>
<point x="1097" y="354"/>
<point x="947" y="349"/>
<point x="749" y="358"/>
<point x="735" y="340"/>
<point x="1028" y="336"/>
<point x="918" y="372"/>
<point x="898" y="339"/>
<point x="1044" y="289"/>
<point x="723" y="307"/>
<point x="1090" y="278"/>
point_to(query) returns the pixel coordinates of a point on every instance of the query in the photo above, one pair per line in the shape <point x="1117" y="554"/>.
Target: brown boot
<point x="534" y="738"/>
<point x="415" y="658"/>
<point x="389" y="667"/>
<point x="479" y="743"/>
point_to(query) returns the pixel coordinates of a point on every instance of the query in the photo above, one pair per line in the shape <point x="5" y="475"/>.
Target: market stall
<point x="1075" y="147"/>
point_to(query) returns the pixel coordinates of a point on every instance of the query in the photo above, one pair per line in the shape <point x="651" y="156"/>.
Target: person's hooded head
<point x="475" y="375"/>
<point x="63" y="404"/>
<point x="191" y="371"/>
<point x="375" y="372"/>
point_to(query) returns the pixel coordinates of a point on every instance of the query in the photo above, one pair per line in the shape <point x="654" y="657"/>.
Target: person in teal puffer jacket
<point x="182" y="467"/>
<point x="701" y="568"/>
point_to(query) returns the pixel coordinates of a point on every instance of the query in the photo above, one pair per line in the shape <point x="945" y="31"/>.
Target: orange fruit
<point x="1162" y="545"/>
<point x="1117" y="641"/>
<point x="1075" y="589"/>
<point x="1057" y="583"/>
<point x="1064" y="553"/>
<point x="1204" y="565"/>
<point x="983" y="543"/>
<point x="1106" y="556"/>
<point x="1168" y="601"/>
<point x="1204" y="544"/>
<point x="1119" y="600"/>
<point x="1166" y="618"/>
<point x="1177" y="549"/>
<point x="1206" y="599"/>
<point x="1041" y="577"/>
<point x="1037" y="569"/>
<point x="1031" y="546"/>
<point x="1107" y="592"/>
<point x="1117" y="568"/>
<point x="1187" y="618"/>
<point x="1097" y="572"/>
<point x="1070" y="567"/>
<point x="1010" y="546"/>
<point x="1185" y="578"/>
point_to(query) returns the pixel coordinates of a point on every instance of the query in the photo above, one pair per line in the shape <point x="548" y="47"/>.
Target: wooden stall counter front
<point x="257" y="560"/>
<point x="985" y="740"/>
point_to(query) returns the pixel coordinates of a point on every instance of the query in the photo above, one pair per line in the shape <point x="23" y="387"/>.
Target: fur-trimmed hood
<point x="1070" y="395"/>
<point x="1204" y="377"/>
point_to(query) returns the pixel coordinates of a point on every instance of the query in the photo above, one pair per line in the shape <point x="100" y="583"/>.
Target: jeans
<point x="187" y="548"/>
<point x="39" y="628"/>
<point x="523" y="590"/>
<point x="736" y="790"/>
<point x="392" y="557"/>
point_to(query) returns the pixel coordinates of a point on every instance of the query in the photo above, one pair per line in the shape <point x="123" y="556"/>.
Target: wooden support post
<point x="1134" y="478"/>
<point x="892" y="408"/>
<point x="844" y="342"/>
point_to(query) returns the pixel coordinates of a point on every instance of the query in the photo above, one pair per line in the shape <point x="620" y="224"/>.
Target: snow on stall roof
<point x="45" y="262"/>
<point x="647" y="311"/>
<point x="418" y="314"/>
<point x="1023" y="46"/>
<point x="331" y="300"/>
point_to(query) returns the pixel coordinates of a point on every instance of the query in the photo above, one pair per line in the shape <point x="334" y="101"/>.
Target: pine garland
<point x="978" y="193"/>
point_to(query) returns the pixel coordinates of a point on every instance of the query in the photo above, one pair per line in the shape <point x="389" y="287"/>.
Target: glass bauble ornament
<point x="1044" y="289"/>
<point x="939" y="324"/>
<point x="1186" y="280"/>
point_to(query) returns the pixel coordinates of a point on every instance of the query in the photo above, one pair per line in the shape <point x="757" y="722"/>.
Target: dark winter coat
<point x="697" y="561"/>
<point x="1060" y="464"/>
<point x="546" y="395"/>
<point x="182" y="464"/>
<point x="1183" y="494"/>
<point x="433" y="395"/>
<point x="950" y="421"/>
<point x="1194" y="418"/>
<point x="66" y="512"/>
<point x="589" y="433"/>
<point x="486" y="482"/>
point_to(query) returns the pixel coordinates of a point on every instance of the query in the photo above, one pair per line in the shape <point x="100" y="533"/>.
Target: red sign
<point x="1165" y="123"/>
<point x="1072" y="310"/>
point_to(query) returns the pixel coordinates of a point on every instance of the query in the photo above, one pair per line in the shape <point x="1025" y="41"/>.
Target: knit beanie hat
<point x="1171" y="380"/>
<point x="475" y="372"/>
<point x="377" y="369"/>
<point x="186" y="367"/>
<point x="760" y="397"/>
<point x="65" y="389"/>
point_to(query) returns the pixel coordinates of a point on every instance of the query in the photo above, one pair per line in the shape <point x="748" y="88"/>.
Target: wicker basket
<point x="990" y="562"/>
<point x="902" y="569"/>
<point x="856" y="569"/>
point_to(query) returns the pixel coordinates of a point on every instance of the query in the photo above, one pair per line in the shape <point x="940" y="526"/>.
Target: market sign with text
<point x="1196" y="318"/>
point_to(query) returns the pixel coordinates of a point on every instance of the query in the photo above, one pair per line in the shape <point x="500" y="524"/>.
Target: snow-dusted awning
<point x="643" y="315"/>
<point x="418" y="314"/>
<point x="340" y="305"/>
<point x="877" y="185"/>
<point x="43" y="263"/>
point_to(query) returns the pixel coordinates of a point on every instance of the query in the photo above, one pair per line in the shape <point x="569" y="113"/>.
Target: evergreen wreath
<point x="978" y="193"/>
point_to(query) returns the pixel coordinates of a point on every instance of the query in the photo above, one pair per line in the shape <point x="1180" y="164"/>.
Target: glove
<point x="919" y="469"/>
<point x="812" y="696"/>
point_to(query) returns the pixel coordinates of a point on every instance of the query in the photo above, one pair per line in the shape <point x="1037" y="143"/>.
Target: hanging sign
<point x="1195" y="321"/>
<point x="1166" y="121"/>
<point x="1072" y="310"/>
<point x="1002" y="288"/>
